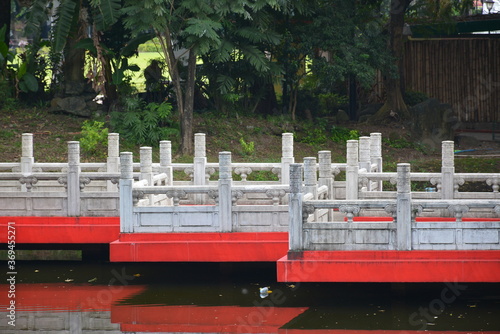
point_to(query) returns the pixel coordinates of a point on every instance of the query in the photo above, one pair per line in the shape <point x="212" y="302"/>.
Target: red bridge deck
<point x="308" y="266"/>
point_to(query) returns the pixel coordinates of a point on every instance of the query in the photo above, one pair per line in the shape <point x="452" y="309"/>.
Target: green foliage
<point x="7" y="102"/>
<point x="313" y="136"/>
<point x="64" y="21"/>
<point x="412" y="98"/>
<point x="247" y="148"/>
<point x="6" y="72"/>
<point x="6" y="134"/>
<point x="145" y="124"/>
<point x="263" y="175"/>
<point x="403" y="143"/>
<point x="331" y="102"/>
<point x="342" y="135"/>
<point x="94" y="136"/>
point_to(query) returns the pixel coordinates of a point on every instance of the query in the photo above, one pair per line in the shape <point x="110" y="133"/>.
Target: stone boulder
<point x="76" y="98"/>
<point x="431" y="122"/>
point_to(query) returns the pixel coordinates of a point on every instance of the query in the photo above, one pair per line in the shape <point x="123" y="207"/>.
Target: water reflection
<point x="208" y="298"/>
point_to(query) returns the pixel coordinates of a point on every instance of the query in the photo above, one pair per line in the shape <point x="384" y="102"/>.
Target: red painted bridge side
<point x="199" y="247"/>
<point x="390" y="266"/>
<point x="61" y="230"/>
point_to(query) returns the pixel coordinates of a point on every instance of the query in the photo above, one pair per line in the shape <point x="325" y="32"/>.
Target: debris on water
<point x="137" y="275"/>
<point x="264" y="292"/>
<point x="291" y="286"/>
<point x="67" y="280"/>
<point x="92" y="280"/>
<point x="37" y="271"/>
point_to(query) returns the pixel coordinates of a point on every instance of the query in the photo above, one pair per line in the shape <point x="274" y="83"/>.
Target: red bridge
<point x="314" y="228"/>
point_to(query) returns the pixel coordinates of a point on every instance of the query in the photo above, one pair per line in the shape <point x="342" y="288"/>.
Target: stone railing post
<point x="146" y="164"/>
<point x="352" y="170"/>
<point x="403" y="207"/>
<point x="113" y="160"/>
<point x="126" y="199"/>
<point x="225" y="193"/>
<point x="166" y="164"/>
<point x="310" y="177"/>
<point x="364" y="157"/>
<point x="447" y="169"/>
<point x="27" y="159"/>
<point x="325" y="171"/>
<point x="199" y="164"/>
<point x="376" y="156"/>
<point x="295" y="208"/>
<point x="74" y="170"/>
<point x="200" y="159"/>
<point x="326" y="175"/>
<point x="364" y="153"/>
<point x="286" y="156"/>
<point x="146" y="167"/>
<point x="166" y="160"/>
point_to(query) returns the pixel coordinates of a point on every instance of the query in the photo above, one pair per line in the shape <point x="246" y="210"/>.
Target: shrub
<point x="314" y="136"/>
<point x="247" y="148"/>
<point x="342" y="135"/>
<point x="144" y="124"/>
<point x="94" y="136"/>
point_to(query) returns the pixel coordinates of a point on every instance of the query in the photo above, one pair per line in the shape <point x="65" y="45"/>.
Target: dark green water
<point x="82" y="297"/>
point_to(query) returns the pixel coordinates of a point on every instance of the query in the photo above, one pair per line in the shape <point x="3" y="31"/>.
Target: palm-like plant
<point x="71" y="22"/>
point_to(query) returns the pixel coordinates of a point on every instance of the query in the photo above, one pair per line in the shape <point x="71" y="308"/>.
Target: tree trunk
<point x="394" y="107"/>
<point x="187" y="115"/>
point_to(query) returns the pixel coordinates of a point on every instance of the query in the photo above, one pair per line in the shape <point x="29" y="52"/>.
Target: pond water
<point x="81" y="297"/>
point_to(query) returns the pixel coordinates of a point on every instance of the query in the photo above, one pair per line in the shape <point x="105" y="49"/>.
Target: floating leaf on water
<point x="92" y="280"/>
<point x="137" y="275"/>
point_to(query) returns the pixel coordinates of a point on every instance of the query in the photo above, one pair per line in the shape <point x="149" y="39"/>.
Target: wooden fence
<point x="463" y="72"/>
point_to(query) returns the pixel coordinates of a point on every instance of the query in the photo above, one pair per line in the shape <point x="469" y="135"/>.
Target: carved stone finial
<point x="29" y="181"/>
<point x="494" y="183"/>
<point x="275" y="194"/>
<point x="243" y="172"/>
<point x="350" y="211"/>
<point x="63" y="180"/>
<point x="458" y="210"/>
<point x="83" y="182"/>
<point x="189" y="172"/>
<point x="392" y="210"/>
<point x="214" y="194"/>
<point x="306" y="211"/>
<point x="209" y="171"/>
<point x="176" y="196"/>
<point x="457" y="182"/>
<point x="236" y="195"/>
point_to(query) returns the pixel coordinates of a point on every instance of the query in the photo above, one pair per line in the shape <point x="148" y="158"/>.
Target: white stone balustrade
<point x="75" y="188"/>
<point x="402" y="232"/>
